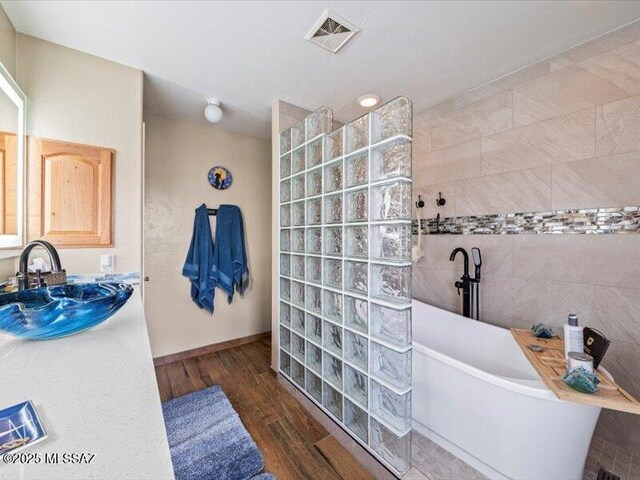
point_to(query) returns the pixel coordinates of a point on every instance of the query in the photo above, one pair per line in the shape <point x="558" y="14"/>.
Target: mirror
<point x="12" y="160"/>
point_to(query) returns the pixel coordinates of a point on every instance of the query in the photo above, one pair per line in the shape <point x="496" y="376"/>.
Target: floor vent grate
<point x="604" y="474"/>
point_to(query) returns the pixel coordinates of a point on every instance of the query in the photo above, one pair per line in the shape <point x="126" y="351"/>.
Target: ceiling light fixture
<point x="369" y="100"/>
<point x="213" y="111"/>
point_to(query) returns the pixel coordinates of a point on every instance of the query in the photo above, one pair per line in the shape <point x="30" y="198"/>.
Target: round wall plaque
<point x="220" y="178"/>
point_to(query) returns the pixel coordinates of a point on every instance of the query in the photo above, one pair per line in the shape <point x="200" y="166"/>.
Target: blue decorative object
<point x="19" y="426"/>
<point x="582" y="380"/>
<point x="542" y="330"/>
<point x="220" y="178"/>
<point x="61" y="310"/>
<point x="207" y="438"/>
<point x="131" y="278"/>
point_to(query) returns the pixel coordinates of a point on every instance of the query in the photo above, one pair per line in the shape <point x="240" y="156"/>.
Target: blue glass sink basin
<point x="61" y="310"/>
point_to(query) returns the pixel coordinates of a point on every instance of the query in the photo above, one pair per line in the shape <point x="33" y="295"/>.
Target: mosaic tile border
<point x="623" y="220"/>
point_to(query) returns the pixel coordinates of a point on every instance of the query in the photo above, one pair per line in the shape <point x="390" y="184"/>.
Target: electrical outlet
<point x="107" y="263"/>
<point x="604" y="474"/>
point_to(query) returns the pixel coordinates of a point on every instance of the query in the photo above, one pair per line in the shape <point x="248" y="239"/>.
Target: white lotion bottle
<point x="573" y="337"/>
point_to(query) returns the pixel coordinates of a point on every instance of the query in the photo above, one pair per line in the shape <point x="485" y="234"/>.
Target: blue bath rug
<point x="207" y="439"/>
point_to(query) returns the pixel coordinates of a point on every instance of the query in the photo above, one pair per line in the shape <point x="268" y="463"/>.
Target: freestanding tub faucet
<point x="23" y="272"/>
<point x="464" y="282"/>
<point x="469" y="286"/>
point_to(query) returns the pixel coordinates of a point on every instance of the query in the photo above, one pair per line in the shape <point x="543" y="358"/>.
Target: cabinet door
<point x="70" y="193"/>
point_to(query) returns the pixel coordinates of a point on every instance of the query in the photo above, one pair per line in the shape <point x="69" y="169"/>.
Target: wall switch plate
<point x="107" y="263"/>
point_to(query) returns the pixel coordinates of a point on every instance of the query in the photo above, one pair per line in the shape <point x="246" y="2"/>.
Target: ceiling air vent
<point x="331" y="32"/>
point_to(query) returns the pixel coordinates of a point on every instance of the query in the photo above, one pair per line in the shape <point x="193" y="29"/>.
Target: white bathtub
<point x="476" y="394"/>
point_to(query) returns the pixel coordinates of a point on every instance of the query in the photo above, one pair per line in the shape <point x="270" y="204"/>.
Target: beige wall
<point x="7" y="43"/>
<point x="8" y="114"/>
<point x="7" y="268"/>
<point x="563" y="133"/>
<point x="179" y="155"/>
<point x="81" y="98"/>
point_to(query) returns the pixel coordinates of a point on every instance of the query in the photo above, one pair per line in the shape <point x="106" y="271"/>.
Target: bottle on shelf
<point x="573" y="337"/>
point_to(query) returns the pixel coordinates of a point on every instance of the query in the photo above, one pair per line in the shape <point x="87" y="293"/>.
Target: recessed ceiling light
<point x="369" y="100"/>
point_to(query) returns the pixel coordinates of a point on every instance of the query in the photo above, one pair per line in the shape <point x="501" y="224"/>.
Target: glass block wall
<point x="345" y="273"/>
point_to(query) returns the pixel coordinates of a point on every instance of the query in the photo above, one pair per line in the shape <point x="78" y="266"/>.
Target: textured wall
<point x="179" y="155"/>
<point x="7" y="43"/>
<point x="563" y="133"/>
<point x="81" y="98"/>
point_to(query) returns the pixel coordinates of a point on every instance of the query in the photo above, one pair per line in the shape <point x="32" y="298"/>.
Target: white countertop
<point x="95" y="392"/>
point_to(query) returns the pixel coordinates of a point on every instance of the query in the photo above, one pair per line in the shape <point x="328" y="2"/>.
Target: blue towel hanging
<point x="198" y="266"/>
<point x="230" y="271"/>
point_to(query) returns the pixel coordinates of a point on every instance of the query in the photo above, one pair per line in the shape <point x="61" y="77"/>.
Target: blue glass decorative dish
<point x="61" y="310"/>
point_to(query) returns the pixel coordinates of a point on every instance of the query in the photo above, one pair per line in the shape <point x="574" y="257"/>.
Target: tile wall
<point x="622" y="221"/>
<point x="561" y="134"/>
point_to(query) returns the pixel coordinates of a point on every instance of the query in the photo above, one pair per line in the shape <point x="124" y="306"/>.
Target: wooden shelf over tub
<point x="550" y="365"/>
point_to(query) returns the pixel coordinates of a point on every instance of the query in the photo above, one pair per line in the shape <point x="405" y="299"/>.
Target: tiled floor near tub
<point x="617" y="460"/>
<point x="432" y="462"/>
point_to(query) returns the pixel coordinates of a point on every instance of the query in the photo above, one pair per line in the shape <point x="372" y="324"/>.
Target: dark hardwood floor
<point x="294" y="444"/>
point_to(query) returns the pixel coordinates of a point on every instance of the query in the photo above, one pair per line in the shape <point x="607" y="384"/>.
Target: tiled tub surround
<point x="623" y="220"/>
<point x="563" y="134"/>
<point x="345" y="273"/>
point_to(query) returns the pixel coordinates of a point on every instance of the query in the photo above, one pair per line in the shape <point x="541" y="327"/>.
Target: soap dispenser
<point x="573" y="336"/>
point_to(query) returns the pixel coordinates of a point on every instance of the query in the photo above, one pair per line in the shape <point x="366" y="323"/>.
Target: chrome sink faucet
<point x="23" y="272"/>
